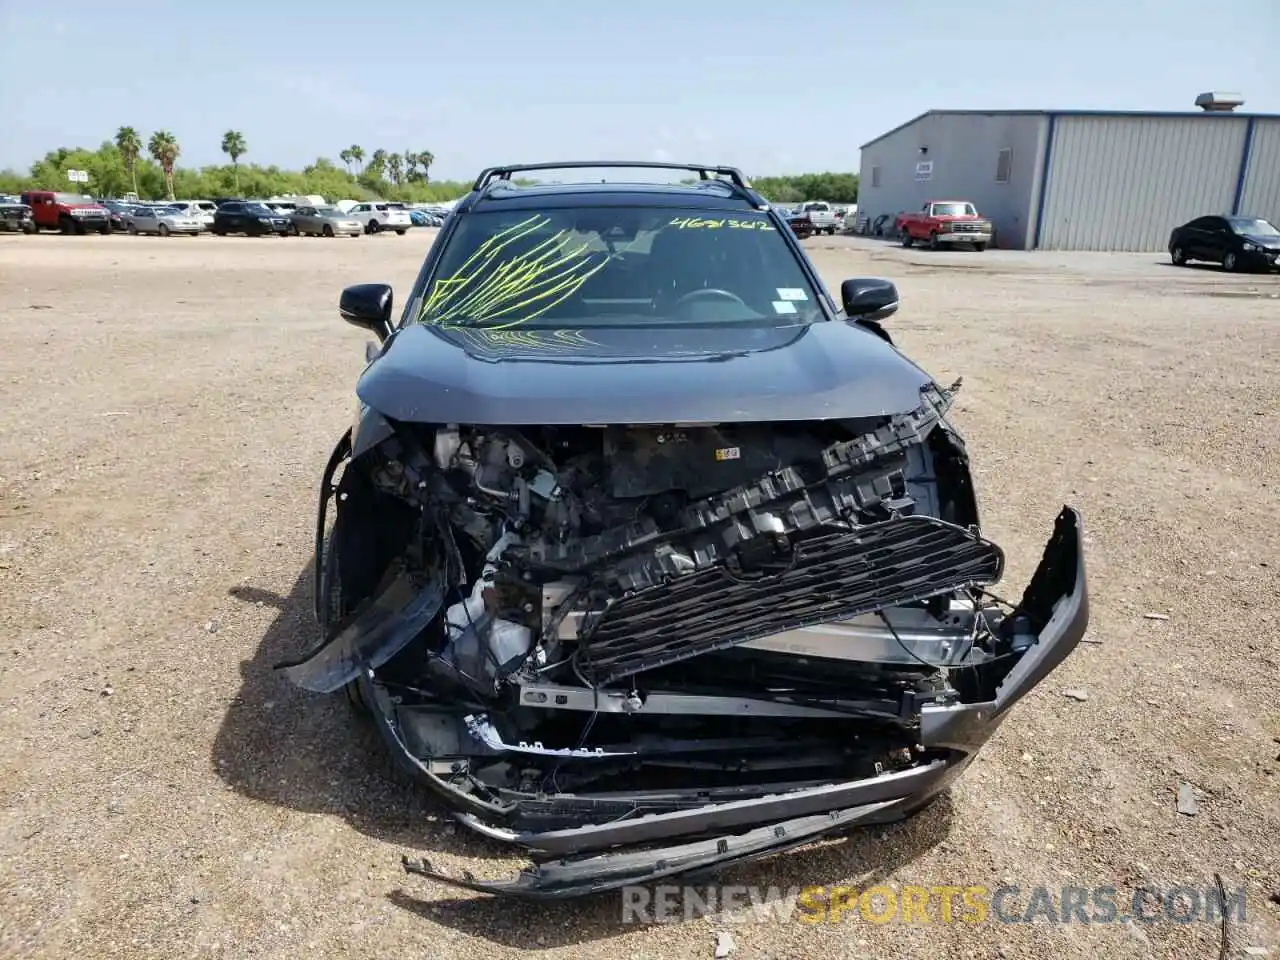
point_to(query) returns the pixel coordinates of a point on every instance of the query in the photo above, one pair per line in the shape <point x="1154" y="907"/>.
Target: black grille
<point x="830" y="577"/>
<point x="968" y="228"/>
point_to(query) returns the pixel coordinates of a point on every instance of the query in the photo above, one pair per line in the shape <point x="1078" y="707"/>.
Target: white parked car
<point x="379" y="216"/>
<point x="202" y="210"/>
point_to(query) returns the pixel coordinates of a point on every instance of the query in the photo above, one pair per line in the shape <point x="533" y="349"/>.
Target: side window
<point x="875" y="176"/>
<point x="230" y="208"/>
<point x="1217" y="225"/>
<point x="360" y="208"/>
<point x="381" y="206"/>
<point x="1004" y="164"/>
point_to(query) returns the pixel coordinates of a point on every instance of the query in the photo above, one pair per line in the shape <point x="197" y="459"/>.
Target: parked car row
<point x="76" y="213"/>
<point x="816" y="217"/>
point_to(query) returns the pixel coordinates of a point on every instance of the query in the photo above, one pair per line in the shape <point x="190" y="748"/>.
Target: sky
<point x="772" y="88"/>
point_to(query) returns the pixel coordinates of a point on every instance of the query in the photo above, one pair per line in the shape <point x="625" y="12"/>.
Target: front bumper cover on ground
<point x="604" y="856"/>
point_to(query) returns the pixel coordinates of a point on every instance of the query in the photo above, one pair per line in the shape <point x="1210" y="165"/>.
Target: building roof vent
<point x="1215" y="101"/>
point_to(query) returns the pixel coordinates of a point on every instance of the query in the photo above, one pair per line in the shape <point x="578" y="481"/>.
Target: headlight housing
<point x="1251" y="247"/>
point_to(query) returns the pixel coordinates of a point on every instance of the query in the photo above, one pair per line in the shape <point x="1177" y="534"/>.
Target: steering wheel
<point x="708" y="293"/>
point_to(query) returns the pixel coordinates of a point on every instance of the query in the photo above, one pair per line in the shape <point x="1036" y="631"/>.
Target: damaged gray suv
<point x="645" y="555"/>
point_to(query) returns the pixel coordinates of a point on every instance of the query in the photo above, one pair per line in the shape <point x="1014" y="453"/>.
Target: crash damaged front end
<point x="634" y="652"/>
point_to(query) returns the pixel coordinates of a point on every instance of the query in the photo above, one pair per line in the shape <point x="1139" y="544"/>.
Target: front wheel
<point x="906" y="237"/>
<point x="374" y="226"/>
<point x="400" y="233"/>
<point x="979" y="247"/>
<point x="933" y="242"/>
<point x="163" y="230"/>
<point x="1178" y="256"/>
<point x="1230" y="263"/>
<point x="327" y="231"/>
<point x="105" y="229"/>
<point x="293" y="228"/>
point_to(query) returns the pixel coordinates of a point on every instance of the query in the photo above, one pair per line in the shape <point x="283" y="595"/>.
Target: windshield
<point x="72" y="198"/>
<point x="954" y="210"/>
<point x="598" y="266"/>
<point x="328" y="212"/>
<point x="1252" y="227"/>
<point x="259" y="210"/>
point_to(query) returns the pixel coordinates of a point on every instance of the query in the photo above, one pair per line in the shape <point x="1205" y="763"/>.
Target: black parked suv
<point x="648" y="556"/>
<point x="15" y="215"/>
<point x="252" y="219"/>
<point x="1238" y="243"/>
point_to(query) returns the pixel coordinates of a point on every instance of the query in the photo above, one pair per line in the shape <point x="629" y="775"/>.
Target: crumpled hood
<point x="639" y="374"/>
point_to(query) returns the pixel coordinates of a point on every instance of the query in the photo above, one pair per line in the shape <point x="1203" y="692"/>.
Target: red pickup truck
<point x="67" y="212"/>
<point x="945" y="223"/>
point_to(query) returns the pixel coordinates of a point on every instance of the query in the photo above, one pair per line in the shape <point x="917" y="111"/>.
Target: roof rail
<point x="704" y="172"/>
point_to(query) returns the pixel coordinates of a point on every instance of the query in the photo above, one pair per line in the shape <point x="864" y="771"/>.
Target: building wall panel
<point x="964" y="150"/>
<point x="1261" y="194"/>
<point x="1123" y="183"/>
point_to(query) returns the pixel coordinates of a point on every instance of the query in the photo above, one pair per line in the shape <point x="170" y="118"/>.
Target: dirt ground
<point x="169" y="405"/>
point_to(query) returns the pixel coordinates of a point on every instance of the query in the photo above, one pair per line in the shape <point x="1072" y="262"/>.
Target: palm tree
<point x="377" y="163"/>
<point x="426" y="158"/>
<point x="357" y="153"/>
<point x="233" y="146"/>
<point x="346" y="158"/>
<point x="164" y="149"/>
<point x="410" y="165"/>
<point x="395" y="167"/>
<point x="130" y="145"/>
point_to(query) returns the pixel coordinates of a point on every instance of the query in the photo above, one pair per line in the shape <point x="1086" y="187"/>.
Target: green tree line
<point x="833" y="187"/>
<point x="149" y="167"/>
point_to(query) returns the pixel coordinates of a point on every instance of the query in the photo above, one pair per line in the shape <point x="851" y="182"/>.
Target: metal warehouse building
<point x="1080" y="179"/>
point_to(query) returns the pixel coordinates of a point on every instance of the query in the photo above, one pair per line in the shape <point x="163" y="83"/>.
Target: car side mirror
<point x="869" y="298"/>
<point x="368" y="306"/>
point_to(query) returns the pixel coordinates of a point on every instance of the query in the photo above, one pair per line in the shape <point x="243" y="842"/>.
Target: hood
<point x="95" y="207"/>
<point x="958" y="218"/>
<point x="1269" y="243"/>
<point x="639" y="374"/>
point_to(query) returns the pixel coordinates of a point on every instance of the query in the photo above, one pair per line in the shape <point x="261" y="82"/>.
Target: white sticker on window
<point x="783" y="306"/>
<point x="792" y="293"/>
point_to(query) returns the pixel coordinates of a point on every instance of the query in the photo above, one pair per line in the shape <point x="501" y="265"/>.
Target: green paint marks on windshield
<point x="485" y="339"/>
<point x="514" y="276"/>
